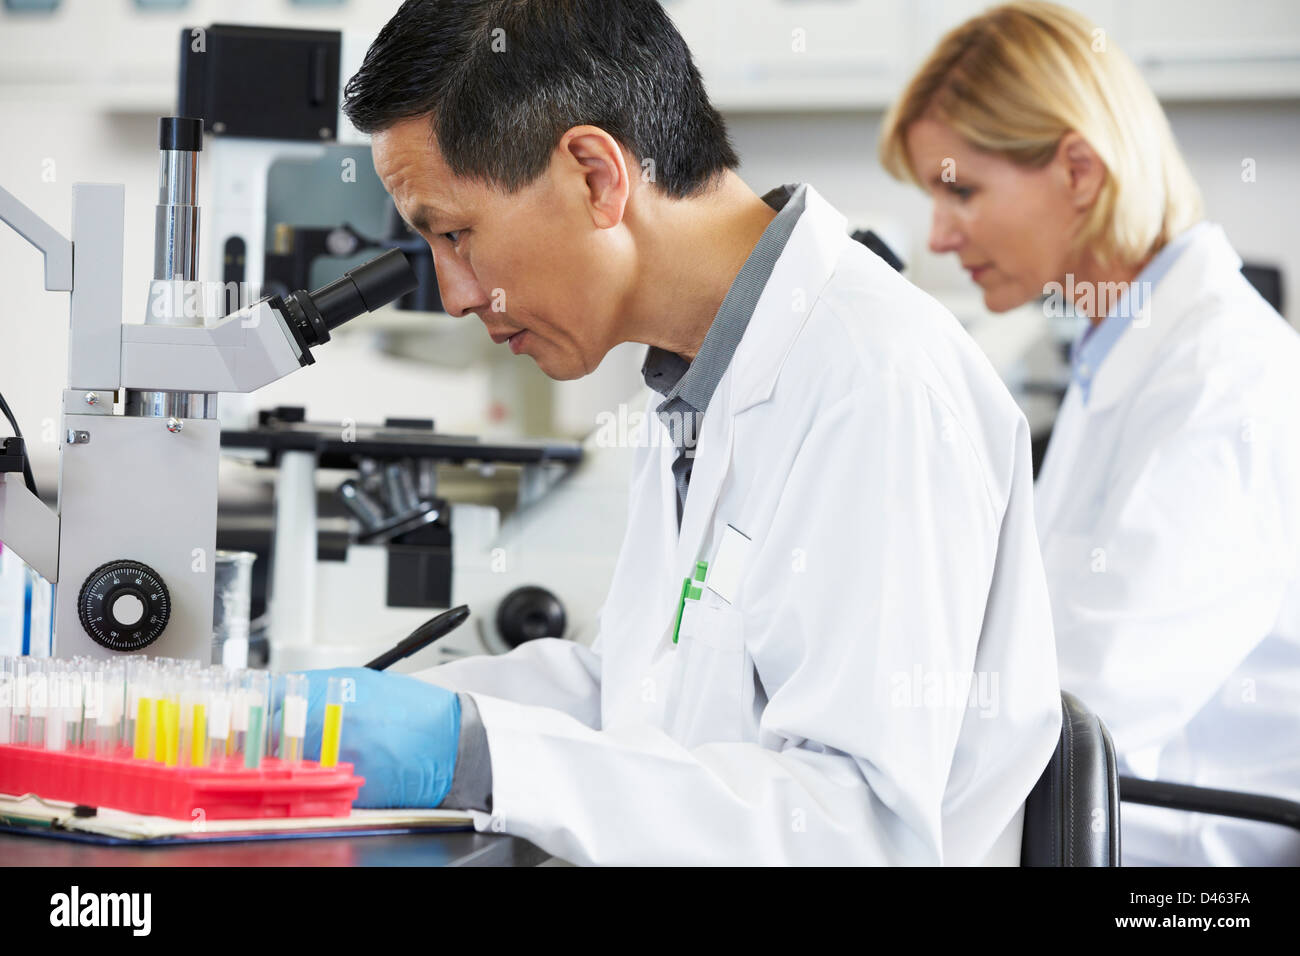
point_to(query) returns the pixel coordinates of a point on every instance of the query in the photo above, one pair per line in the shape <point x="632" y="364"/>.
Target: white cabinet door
<point x="1189" y="49"/>
<point x="796" y="54"/>
<point x="1214" y="50"/>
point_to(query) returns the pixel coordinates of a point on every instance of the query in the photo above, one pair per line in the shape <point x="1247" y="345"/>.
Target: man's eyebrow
<point x="424" y="217"/>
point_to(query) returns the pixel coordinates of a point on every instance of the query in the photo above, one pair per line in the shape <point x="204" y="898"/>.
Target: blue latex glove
<point x="400" y="733"/>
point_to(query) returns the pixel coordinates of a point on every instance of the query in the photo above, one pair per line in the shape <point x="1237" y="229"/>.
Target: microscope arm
<point x="241" y="353"/>
<point x="56" y="249"/>
<point x="258" y="344"/>
<point x="28" y="526"/>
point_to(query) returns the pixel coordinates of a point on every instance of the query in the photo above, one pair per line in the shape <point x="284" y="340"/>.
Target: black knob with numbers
<point x="124" y="605"/>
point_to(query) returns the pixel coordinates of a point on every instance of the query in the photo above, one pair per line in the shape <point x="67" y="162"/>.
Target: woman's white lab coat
<point x="880" y="687"/>
<point x="1169" y="512"/>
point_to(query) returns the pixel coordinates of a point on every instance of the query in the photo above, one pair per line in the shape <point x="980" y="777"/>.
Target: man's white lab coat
<point x="880" y="686"/>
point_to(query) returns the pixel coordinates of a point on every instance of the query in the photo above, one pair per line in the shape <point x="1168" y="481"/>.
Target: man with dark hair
<point x="470" y="103"/>
<point x="827" y="636"/>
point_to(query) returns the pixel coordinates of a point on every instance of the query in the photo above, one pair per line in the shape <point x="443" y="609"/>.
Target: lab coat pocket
<point x="709" y="674"/>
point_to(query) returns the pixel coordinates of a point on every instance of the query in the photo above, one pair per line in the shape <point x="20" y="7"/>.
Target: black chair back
<point x="1072" y="814"/>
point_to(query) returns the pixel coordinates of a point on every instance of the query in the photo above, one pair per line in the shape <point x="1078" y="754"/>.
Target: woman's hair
<point x="1015" y="79"/>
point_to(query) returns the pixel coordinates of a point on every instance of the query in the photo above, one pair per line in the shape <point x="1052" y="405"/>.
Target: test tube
<point x="7" y="667"/>
<point x="108" y="718"/>
<point x="219" y="707"/>
<point x="92" y="701"/>
<point x="193" y="720"/>
<point x="275" y="716"/>
<point x="167" y="731"/>
<point x="38" y="701"/>
<point x="197" y="722"/>
<point x="131" y="692"/>
<point x="293" y="718"/>
<point x="58" y="702"/>
<point x="256" y="687"/>
<point x="332" y="728"/>
<point x="238" y="714"/>
<point x="19" y="719"/>
<point x="146" y="705"/>
<point x="73" y="705"/>
<point x="159" y="751"/>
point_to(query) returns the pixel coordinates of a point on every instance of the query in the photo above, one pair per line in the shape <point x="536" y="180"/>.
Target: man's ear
<point x="1082" y="169"/>
<point x="599" y="159"/>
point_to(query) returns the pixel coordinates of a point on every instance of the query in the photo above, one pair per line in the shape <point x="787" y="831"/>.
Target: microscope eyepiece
<point x="365" y="288"/>
<point x="180" y="132"/>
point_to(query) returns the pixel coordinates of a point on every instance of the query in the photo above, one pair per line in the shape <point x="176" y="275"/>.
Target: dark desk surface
<point x="415" y="849"/>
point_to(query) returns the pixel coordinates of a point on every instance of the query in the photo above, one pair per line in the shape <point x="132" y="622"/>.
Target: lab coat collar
<point x="1090" y="351"/>
<point x="1206" y="262"/>
<point x="797" y="280"/>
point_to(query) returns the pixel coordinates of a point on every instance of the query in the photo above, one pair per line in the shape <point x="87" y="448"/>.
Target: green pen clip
<point x="689" y="592"/>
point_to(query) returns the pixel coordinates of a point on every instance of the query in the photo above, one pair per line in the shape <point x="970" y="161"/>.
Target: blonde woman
<point x="1168" y="507"/>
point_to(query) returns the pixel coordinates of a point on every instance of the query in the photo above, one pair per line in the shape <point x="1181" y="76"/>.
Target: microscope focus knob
<point x="124" y="605"/>
<point x="527" y="613"/>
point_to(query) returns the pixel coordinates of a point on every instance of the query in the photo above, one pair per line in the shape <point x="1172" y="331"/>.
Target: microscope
<point x="131" y="547"/>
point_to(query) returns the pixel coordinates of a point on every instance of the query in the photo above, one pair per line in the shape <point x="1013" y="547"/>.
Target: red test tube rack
<point x="226" y="791"/>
